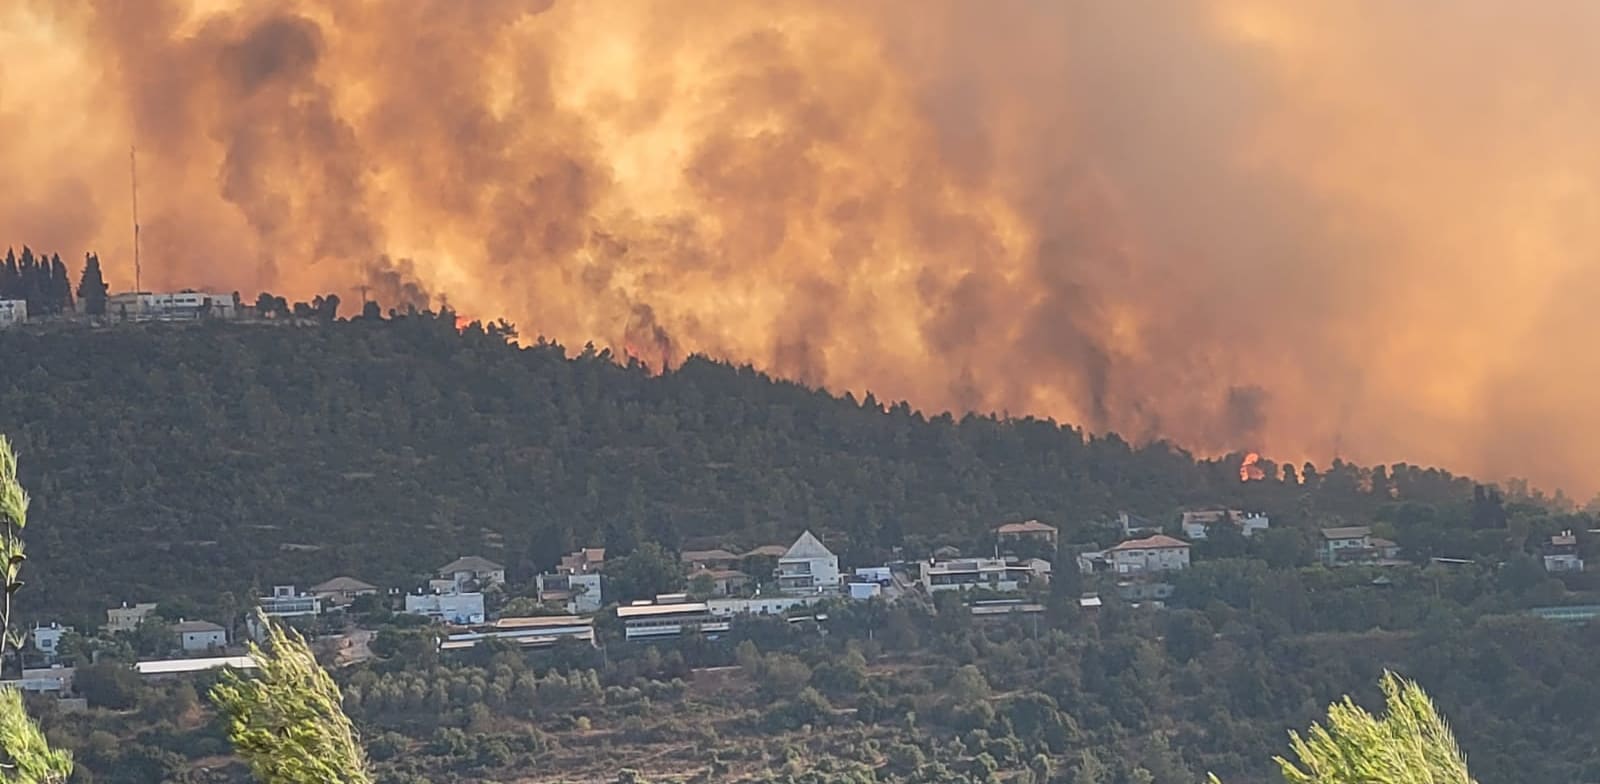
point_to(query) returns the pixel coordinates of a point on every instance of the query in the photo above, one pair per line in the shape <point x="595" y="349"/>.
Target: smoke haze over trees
<point x="1318" y="229"/>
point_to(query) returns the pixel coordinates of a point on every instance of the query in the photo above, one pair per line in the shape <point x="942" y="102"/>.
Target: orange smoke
<point x="1070" y="209"/>
<point x="1249" y="471"/>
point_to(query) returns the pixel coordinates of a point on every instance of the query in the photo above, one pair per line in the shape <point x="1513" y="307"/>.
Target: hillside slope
<point x="170" y="460"/>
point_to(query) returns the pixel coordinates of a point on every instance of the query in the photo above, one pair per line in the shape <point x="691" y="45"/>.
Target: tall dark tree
<point x="60" y="285"/>
<point x="92" y="286"/>
<point x="10" y="277"/>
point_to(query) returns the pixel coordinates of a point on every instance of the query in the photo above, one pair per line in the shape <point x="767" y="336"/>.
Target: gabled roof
<point x="195" y="627"/>
<point x="806" y="548"/>
<point x="1347" y="532"/>
<point x="1381" y="542"/>
<point x="769" y="550"/>
<point x="343" y="584"/>
<point x="1157" y="542"/>
<point x="470" y="563"/>
<point x="1025" y="527"/>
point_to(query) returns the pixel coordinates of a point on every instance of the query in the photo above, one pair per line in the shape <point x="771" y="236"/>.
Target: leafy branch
<point x="28" y="758"/>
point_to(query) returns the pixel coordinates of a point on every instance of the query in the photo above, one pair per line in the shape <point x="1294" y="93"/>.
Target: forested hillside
<point x="197" y="464"/>
<point x="192" y="460"/>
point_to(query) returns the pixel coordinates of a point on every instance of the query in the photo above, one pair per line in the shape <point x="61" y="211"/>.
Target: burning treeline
<point x="1304" y="228"/>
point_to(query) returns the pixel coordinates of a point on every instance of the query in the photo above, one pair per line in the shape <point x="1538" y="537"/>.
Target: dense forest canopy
<point x="224" y="458"/>
<point x="240" y="453"/>
<point x="197" y="464"/>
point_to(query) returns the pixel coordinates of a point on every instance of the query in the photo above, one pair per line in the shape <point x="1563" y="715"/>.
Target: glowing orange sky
<point x="1361" y="228"/>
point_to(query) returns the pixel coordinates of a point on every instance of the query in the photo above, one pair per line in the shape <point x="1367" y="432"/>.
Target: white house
<point x="808" y="567"/>
<point x="200" y="635"/>
<point x="1197" y="524"/>
<point x="578" y="592"/>
<point x="13" y="311"/>
<point x="457" y="608"/>
<point x="995" y="574"/>
<point x="1342" y="545"/>
<point x="1158" y="553"/>
<point x="472" y="573"/>
<point x="342" y="590"/>
<point x="46" y="639"/>
<point x="1562" y="554"/>
<point x="286" y="602"/>
<point x="1027" y="530"/>
<point x="127" y="619"/>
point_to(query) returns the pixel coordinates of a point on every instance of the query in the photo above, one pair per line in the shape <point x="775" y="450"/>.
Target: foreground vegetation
<point x="195" y="465"/>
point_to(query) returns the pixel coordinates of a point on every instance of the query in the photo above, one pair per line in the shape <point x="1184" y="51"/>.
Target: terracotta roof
<point x="470" y="563"/>
<point x="769" y="550"/>
<point x="1025" y="527"/>
<point x="1157" y="542"/>
<point x="724" y="574"/>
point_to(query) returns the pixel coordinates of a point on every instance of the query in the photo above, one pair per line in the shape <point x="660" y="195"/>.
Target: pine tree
<point x="1409" y="744"/>
<point x="92" y="286"/>
<point x="28" y="756"/>
<point x="288" y="720"/>
<point x="60" y="285"/>
<point x="10" y="277"/>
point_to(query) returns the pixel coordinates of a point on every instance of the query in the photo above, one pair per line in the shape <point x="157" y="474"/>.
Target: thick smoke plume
<point x="1363" y="227"/>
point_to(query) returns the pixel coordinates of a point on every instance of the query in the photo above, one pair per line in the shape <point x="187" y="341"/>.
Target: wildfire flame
<point x="965" y="205"/>
<point x="1250" y="470"/>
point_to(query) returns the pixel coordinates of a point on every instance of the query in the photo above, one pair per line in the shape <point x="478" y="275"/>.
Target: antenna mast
<point x="133" y="176"/>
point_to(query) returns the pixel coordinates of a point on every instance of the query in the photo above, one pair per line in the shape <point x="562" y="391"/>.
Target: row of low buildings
<point x="187" y="305"/>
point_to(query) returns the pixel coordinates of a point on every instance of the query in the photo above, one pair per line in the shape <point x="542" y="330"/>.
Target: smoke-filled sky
<point x="1314" y="228"/>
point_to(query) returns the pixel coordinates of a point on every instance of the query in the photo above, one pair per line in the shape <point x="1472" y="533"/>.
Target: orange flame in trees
<point x="1249" y="470"/>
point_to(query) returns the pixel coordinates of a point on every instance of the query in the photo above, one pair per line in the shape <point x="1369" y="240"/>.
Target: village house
<point x="575" y="584"/>
<point x="766" y="551"/>
<point x="341" y="591"/>
<point x="1026" y="531"/>
<point x="578" y="592"/>
<point x="588" y="559"/>
<point x="808" y="567"/>
<point x="127" y="619"/>
<point x="1158" y="553"/>
<point x="1197" y="524"/>
<point x="460" y="608"/>
<point x="286" y="602"/>
<point x="995" y="574"/>
<point x="472" y="573"/>
<point x="47" y="639"/>
<point x="1561" y="555"/>
<point x="198" y="636"/>
<point x="723" y="582"/>
<point x="699" y="560"/>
